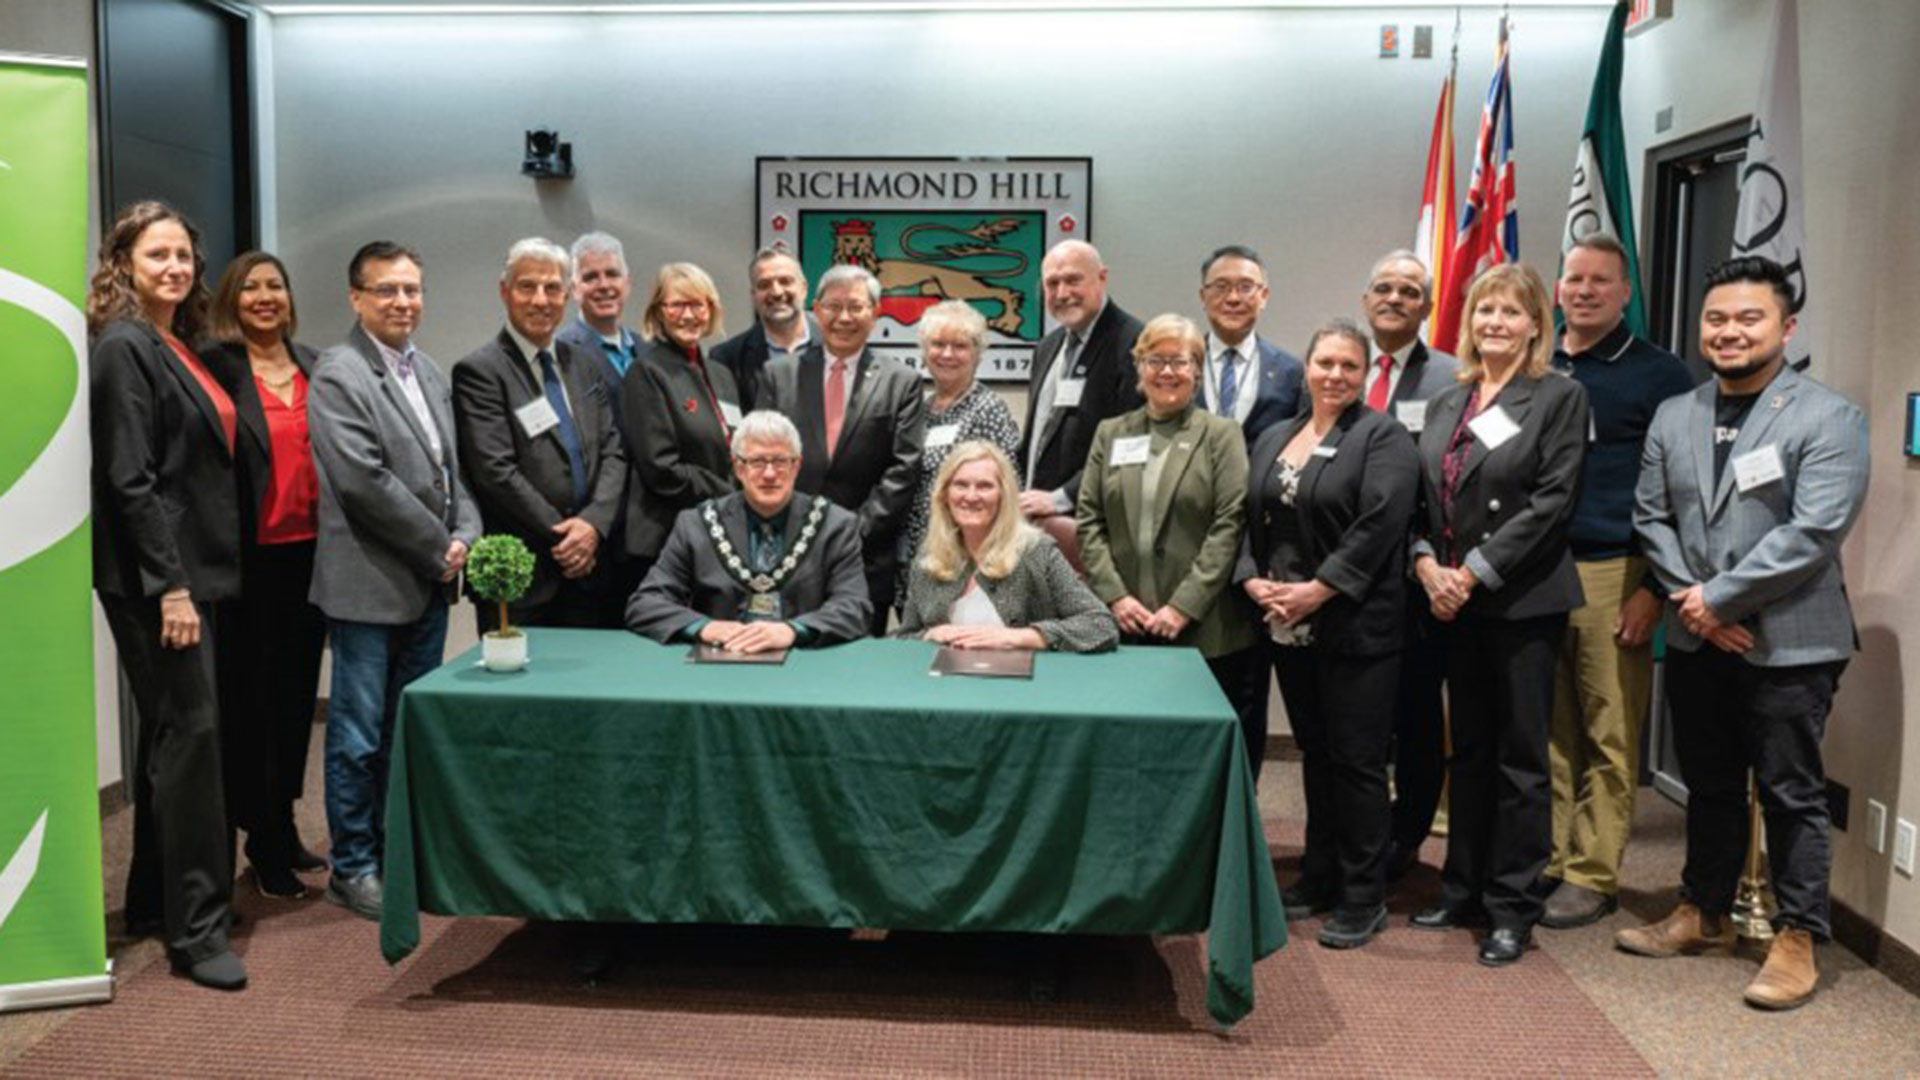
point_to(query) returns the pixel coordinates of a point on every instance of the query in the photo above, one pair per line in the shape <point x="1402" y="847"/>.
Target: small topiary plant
<point x="500" y="568"/>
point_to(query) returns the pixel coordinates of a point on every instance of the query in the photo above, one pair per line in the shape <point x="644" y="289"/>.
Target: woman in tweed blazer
<point x="985" y="579"/>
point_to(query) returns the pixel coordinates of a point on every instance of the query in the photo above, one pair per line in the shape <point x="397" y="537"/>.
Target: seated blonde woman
<point x="985" y="579"/>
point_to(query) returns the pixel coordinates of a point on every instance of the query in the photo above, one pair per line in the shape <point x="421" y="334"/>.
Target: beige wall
<point x="1862" y="151"/>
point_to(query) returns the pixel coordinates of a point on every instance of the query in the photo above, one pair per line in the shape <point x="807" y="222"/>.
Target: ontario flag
<point x="1490" y="220"/>
<point x="1433" y="237"/>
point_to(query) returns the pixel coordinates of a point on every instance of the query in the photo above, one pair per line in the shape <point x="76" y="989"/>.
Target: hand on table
<point x="748" y="637"/>
<point x="987" y="637"/>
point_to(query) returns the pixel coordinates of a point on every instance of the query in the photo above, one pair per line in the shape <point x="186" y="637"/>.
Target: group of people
<point x="1371" y="525"/>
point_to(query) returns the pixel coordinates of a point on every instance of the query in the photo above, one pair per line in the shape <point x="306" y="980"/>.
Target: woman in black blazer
<point x="1500" y="463"/>
<point x="678" y="408"/>
<point x="166" y="549"/>
<point x="1331" y="498"/>
<point x="271" y="637"/>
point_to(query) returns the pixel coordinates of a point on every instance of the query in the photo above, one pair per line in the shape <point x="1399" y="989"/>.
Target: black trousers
<point x="182" y="867"/>
<point x="1419" y="732"/>
<point x="269" y="660"/>
<point x="1341" y="709"/>
<point x="1730" y="716"/>
<point x="1242" y="676"/>
<point x="1500" y="806"/>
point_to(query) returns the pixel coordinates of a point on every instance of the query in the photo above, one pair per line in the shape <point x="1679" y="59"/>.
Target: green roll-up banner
<point x="52" y="933"/>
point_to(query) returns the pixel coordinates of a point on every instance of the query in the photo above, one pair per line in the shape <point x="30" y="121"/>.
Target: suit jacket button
<point x="1493" y="505"/>
<point x="439" y="485"/>
<point x="1484" y="537"/>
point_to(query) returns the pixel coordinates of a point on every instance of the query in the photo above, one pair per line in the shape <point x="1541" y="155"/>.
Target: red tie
<point x="1377" y="393"/>
<point x="836" y="402"/>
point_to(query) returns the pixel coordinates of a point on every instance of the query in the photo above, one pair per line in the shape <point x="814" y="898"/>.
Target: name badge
<point x="730" y="413"/>
<point x="942" y="435"/>
<point x="1324" y="451"/>
<point x="1131" y="450"/>
<point x="537" y="417"/>
<point x="1756" y="468"/>
<point x="1066" y="395"/>
<point x="1412" y="416"/>
<point x="1493" y="427"/>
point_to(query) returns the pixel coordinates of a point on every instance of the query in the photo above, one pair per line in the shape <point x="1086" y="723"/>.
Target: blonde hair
<point x="1520" y="282"/>
<point x="944" y="552"/>
<point x="1163" y="328"/>
<point x="687" y="276"/>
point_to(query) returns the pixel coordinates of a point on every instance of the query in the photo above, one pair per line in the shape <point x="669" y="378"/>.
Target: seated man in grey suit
<point x="395" y="524"/>
<point x="763" y="568"/>
<point x="1748" y="486"/>
<point x="540" y="449"/>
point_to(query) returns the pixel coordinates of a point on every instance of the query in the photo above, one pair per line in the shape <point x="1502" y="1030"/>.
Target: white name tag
<point x="1324" y="451"/>
<point x="1066" y="395"/>
<point x="536" y="417"/>
<point x="1493" y="427"/>
<point x="942" y="435"/>
<point x="730" y="413"/>
<point x="1131" y="450"/>
<point x="1756" y="468"/>
<point x="1412" y="415"/>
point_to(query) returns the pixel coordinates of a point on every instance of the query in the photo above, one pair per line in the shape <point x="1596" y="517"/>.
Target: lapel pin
<point x="1779" y="401"/>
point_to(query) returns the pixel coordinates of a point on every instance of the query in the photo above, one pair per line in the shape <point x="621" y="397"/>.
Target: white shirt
<point x="1074" y="345"/>
<point x="530" y="353"/>
<point x="1246" y="379"/>
<point x="410" y="387"/>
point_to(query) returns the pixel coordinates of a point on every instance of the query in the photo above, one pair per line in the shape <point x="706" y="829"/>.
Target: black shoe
<point x="222" y="972"/>
<point x="1302" y="902"/>
<point x="1351" y="928"/>
<point x="278" y="883"/>
<point x="1505" y="945"/>
<point x="1573" y="905"/>
<point x="304" y="860"/>
<point x="1442" y="917"/>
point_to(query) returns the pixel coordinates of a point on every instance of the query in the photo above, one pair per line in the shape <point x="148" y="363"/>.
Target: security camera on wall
<point x="547" y="157"/>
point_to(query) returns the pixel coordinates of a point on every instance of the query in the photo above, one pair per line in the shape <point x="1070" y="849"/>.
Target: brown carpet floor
<point x="493" y="997"/>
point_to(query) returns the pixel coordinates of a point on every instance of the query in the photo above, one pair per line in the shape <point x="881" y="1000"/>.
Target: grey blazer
<point x="388" y="510"/>
<point x="1769" y="557"/>
<point x="827" y="591"/>
<point x="1428" y="372"/>
<point x="1042" y="592"/>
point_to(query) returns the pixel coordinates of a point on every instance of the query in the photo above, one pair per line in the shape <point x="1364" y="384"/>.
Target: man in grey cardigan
<point x="1748" y="485"/>
<point x="395" y="524"/>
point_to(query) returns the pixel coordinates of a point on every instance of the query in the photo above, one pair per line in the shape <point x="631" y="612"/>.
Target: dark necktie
<point x="1229" y="385"/>
<point x="569" y="435"/>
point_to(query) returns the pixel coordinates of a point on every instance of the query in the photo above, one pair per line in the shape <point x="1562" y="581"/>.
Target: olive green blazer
<point x="1200" y="509"/>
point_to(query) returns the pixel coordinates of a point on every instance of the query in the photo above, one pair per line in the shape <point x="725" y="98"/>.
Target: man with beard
<point x="1748" y="486"/>
<point x="781" y="326"/>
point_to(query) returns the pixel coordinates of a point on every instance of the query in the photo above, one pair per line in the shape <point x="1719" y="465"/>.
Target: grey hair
<point x="764" y="425"/>
<point x="1404" y="255"/>
<point x="843" y="274"/>
<point x="600" y="243"/>
<point x="535" y="249"/>
<point x="958" y="315"/>
<point x="767" y="254"/>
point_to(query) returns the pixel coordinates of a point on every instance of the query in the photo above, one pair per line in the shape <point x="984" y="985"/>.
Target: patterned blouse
<point x="979" y="414"/>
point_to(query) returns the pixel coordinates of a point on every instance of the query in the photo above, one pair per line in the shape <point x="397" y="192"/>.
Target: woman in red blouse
<point x="271" y="636"/>
<point x="165" y="553"/>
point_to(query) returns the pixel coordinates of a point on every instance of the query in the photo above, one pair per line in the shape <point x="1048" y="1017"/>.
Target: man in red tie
<point x="1403" y="374"/>
<point x="862" y="423"/>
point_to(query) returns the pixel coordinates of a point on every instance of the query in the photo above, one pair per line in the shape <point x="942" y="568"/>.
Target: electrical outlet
<point x="1903" y="842"/>
<point x="1876" y="827"/>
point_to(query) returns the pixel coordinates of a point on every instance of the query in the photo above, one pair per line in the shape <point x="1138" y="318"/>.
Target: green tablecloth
<point x="612" y="781"/>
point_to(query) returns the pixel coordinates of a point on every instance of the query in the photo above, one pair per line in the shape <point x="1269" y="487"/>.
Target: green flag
<point x="52" y="933"/>
<point x="1601" y="200"/>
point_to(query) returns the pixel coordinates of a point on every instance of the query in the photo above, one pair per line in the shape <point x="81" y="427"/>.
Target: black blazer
<point x="165" y="501"/>
<point x="1112" y="388"/>
<point x="1357" y="497"/>
<point x="523" y="485"/>
<point x="253" y="445"/>
<point x="676" y="445"/>
<point x="1514" y="503"/>
<point x="874" y="469"/>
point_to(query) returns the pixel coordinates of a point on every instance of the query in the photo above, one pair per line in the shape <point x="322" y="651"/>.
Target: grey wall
<point x="1278" y="128"/>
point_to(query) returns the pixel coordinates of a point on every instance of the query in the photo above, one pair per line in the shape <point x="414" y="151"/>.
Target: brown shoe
<point x="1788" y="977"/>
<point x="1686" y="932"/>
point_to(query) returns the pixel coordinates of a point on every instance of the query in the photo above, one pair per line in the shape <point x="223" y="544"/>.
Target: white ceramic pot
<point x="504" y="653"/>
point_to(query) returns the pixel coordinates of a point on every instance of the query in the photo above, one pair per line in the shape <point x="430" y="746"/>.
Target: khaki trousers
<point x="1599" y="706"/>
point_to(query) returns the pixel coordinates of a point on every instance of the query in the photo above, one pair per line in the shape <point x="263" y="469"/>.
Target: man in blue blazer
<point x="1748" y="486"/>
<point x="1248" y="379"/>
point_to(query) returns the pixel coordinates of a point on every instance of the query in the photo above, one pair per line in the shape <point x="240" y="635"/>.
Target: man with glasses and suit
<point x="1748" y="486"/>
<point x="1248" y="379"/>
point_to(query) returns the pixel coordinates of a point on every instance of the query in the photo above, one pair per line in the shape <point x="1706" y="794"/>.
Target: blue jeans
<point x="372" y="663"/>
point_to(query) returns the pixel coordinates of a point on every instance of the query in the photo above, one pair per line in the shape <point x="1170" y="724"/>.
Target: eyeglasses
<point x="685" y="307"/>
<point x="389" y="292"/>
<point x="1243" y="289"/>
<point x="1167" y="363"/>
<point x="855" y="309"/>
<point x="761" y="464"/>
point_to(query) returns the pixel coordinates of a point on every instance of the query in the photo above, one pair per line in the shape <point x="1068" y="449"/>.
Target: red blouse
<point x="222" y="404"/>
<point x="288" y="512"/>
